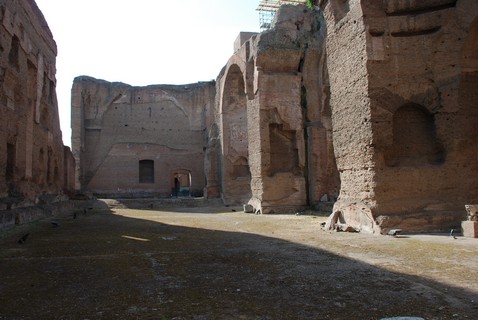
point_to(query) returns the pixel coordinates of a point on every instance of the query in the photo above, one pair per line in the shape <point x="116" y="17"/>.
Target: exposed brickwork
<point x="140" y="141"/>
<point x="31" y="149"/>
<point x="403" y="111"/>
<point x="271" y="96"/>
<point x="370" y="103"/>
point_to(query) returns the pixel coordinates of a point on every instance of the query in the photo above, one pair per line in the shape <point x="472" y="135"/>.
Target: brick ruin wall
<point x="373" y="98"/>
<point x="271" y="143"/>
<point x="140" y="141"/>
<point x="368" y="104"/>
<point x="32" y="154"/>
<point x="403" y="79"/>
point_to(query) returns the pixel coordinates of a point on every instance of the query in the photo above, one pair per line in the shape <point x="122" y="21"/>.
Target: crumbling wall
<point x="295" y="157"/>
<point x="273" y="121"/>
<point x="401" y="75"/>
<point x="31" y="148"/>
<point x="135" y="141"/>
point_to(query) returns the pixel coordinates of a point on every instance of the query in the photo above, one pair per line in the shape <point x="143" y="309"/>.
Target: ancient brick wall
<point x="376" y="99"/>
<point x="31" y="148"/>
<point x="272" y="136"/>
<point x="403" y="110"/>
<point x="140" y="141"/>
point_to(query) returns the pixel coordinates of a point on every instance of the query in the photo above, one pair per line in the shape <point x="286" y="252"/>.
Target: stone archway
<point x="236" y="177"/>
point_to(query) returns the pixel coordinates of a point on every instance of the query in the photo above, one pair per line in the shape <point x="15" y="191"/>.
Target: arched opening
<point x="236" y="179"/>
<point x="181" y="183"/>
<point x="414" y="138"/>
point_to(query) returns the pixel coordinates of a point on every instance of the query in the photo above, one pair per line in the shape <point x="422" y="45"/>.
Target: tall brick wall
<point x="136" y="141"/>
<point x="403" y="111"/>
<point x="271" y="144"/>
<point x="31" y="148"/>
<point x="370" y="103"/>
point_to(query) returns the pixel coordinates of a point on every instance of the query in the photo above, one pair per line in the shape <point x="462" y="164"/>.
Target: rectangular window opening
<point x="146" y="171"/>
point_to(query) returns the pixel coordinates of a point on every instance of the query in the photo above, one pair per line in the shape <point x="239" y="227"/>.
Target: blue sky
<point x="150" y="42"/>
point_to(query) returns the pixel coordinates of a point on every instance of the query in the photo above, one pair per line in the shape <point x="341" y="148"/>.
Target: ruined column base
<point x="469" y="229"/>
<point x="361" y="217"/>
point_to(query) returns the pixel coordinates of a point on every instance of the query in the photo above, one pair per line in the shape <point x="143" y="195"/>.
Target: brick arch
<point x="235" y="188"/>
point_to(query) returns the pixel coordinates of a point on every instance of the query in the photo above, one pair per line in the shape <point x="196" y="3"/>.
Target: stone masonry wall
<point x="136" y="141"/>
<point x="272" y="134"/>
<point x="403" y="110"/>
<point x="31" y="148"/>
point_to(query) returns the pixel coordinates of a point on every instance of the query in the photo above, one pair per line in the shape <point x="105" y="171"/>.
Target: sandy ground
<point x="220" y="263"/>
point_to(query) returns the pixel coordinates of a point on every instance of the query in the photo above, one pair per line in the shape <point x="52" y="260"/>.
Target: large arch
<point x="236" y="176"/>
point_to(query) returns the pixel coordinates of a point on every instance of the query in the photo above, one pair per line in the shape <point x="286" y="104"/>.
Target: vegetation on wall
<point x="310" y="4"/>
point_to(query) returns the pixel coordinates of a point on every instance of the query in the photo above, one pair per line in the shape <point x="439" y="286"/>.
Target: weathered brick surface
<point x="115" y="126"/>
<point x="279" y="105"/>
<point x="370" y="103"/>
<point x="403" y="111"/>
<point x="31" y="149"/>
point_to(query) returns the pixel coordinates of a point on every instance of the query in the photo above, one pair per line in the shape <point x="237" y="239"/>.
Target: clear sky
<point x="143" y="42"/>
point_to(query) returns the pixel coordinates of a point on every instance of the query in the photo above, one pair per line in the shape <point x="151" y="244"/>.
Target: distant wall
<point x="140" y="141"/>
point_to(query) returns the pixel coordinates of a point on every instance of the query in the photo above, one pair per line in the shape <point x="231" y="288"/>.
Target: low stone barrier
<point x="17" y="216"/>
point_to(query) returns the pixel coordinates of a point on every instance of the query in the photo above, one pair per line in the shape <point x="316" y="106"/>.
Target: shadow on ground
<point x="102" y="265"/>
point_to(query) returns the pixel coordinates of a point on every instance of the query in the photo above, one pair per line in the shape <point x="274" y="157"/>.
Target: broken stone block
<point x="470" y="229"/>
<point x="343" y="227"/>
<point x="472" y="212"/>
<point x="394" y="232"/>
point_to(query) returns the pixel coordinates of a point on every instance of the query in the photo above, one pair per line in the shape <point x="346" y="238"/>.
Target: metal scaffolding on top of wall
<point x="268" y="8"/>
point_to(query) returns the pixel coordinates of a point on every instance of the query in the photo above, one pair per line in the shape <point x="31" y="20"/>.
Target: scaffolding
<point x="268" y="8"/>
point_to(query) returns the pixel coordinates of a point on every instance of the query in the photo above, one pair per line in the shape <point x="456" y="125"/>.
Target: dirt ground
<point x="221" y="263"/>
